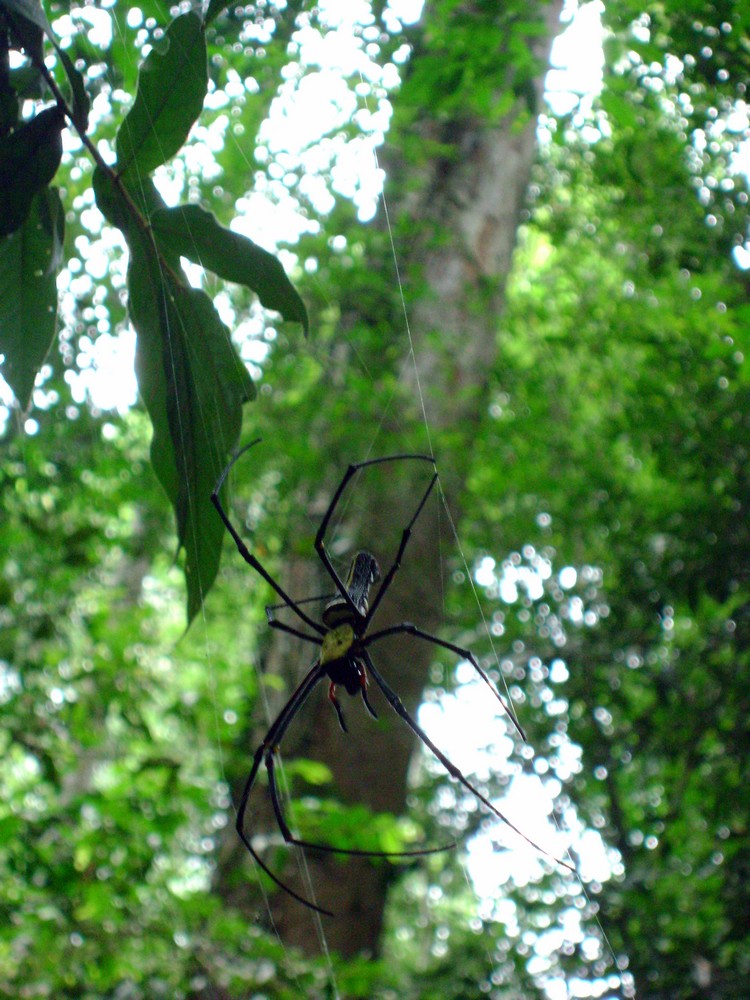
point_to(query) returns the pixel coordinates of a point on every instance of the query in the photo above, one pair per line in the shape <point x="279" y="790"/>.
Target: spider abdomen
<point x="348" y="674"/>
<point x="363" y="572"/>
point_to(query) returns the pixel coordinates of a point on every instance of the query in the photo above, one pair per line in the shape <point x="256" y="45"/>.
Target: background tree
<point x="455" y="219"/>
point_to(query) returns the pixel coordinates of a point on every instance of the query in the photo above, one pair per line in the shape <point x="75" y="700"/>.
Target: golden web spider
<point x="344" y="641"/>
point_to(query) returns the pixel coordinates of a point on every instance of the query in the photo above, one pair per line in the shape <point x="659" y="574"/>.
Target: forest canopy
<point x="550" y="300"/>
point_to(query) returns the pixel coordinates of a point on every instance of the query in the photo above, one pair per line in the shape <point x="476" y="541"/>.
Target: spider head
<point x="363" y="572"/>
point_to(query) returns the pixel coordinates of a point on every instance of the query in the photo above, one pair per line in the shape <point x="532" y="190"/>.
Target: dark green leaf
<point x="29" y="23"/>
<point x="110" y="200"/>
<point x="215" y="8"/>
<point x="620" y="111"/>
<point x="10" y="104"/>
<point x="81" y="103"/>
<point x="28" y="264"/>
<point x="26" y="32"/>
<point x="126" y="207"/>
<point x="189" y="231"/>
<point x="171" y="87"/>
<point x="26" y="82"/>
<point x="31" y="10"/>
<point x="29" y="158"/>
<point x="194" y="385"/>
<point x="192" y="382"/>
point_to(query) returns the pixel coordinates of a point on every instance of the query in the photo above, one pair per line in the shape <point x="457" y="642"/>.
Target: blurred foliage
<point x="608" y="482"/>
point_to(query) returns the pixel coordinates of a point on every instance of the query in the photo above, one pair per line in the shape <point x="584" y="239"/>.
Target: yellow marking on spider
<point x="336" y="643"/>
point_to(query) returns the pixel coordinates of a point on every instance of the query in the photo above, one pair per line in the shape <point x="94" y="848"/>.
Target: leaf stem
<point x="140" y="219"/>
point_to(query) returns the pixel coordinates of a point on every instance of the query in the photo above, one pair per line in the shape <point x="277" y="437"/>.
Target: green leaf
<point x="189" y="231"/>
<point x="28" y="295"/>
<point x="29" y="23"/>
<point x="29" y="158"/>
<point x="81" y="103"/>
<point x="215" y="8"/>
<point x="31" y="10"/>
<point x="620" y="111"/>
<point x="9" y="106"/>
<point x="194" y="385"/>
<point x="171" y="88"/>
<point x="26" y="34"/>
<point x="192" y="382"/>
<point x="313" y="772"/>
<point x="121" y="205"/>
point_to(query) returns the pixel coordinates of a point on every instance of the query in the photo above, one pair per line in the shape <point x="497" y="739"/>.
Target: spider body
<point x="343" y="638"/>
<point x="341" y="655"/>
<point x="342" y="659"/>
<point x="336" y="651"/>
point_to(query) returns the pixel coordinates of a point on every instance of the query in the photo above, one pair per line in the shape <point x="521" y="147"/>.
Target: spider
<point x="343" y="640"/>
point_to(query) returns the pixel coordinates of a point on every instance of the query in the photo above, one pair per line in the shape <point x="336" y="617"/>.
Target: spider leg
<point x="320" y="598"/>
<point x="466" y="654"/>
<point x="283" y="627"/>
<point x="320" y="536"/>
<point x="335" y="702"/>
<point x="388" y="579"/>
<point x="366" y="700"/>
<point x="243" y="550"/>
<point x="398" y="707"/>
<point x="290" y="630"/>
<point x="266" y="752"/>
<point x="363" y="691"/>
<point x="328" y="848"/>
<point x="259" y="754"/>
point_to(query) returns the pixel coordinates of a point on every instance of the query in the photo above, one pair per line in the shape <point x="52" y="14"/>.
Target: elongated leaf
<point x="31" y="10"/>
<point x="193" y="384"/>
<point x="29" y="158"/>
<point x="28" y="25"/>
<point x="81" y="103"/>
<point x="189" y="231"/>
<point x="215" y="8"/>
<point x="171" y="88"/>
<point x="121" y="204"/>
<point x="28" y="295"/>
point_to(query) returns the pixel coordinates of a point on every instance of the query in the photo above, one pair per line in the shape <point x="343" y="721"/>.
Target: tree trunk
<point x="465" y="207"/>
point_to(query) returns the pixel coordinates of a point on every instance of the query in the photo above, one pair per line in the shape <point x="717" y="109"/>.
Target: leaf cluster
<point x="191" y="380"/>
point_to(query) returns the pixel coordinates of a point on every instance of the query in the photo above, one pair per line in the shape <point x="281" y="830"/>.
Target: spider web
<point x="410" y="353"/>
<point x="469" y="575"/>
